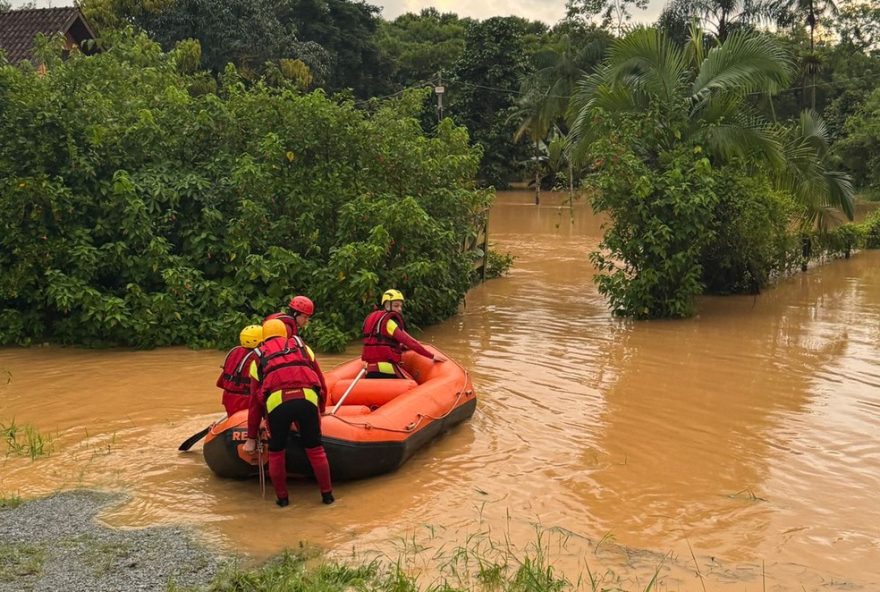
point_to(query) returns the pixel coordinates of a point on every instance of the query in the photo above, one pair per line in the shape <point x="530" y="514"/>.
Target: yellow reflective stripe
<point x="276" y="398"/>
<point x="391" y="326"/>
<point x="311" y="353"/>
<point x="273" y="401"/>
<point x="386" y="368"/>
<point x="311" y="396"/>
<point x="253" y="371"/>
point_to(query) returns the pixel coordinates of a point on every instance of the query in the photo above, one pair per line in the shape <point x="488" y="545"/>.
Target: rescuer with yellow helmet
<point x="234" y="379"/>
<point x="287" y="386"/>
<point x="385" y="339"/>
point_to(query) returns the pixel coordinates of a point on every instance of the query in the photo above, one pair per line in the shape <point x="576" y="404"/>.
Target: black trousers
<point x="301" y="411"/>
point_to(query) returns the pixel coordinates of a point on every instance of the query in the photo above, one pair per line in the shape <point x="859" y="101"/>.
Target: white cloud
<point x="548" y="11"/>
<point x="41" y="3"/>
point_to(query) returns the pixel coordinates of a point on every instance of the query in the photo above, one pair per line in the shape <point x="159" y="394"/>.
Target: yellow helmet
<point x="274" y="328"/>
<point x="392" y="295"/>
<point x="251" y="336"/>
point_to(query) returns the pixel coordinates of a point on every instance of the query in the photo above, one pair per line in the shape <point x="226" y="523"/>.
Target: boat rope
<point x="262" y="469"/>
<point x="263" y="431"/>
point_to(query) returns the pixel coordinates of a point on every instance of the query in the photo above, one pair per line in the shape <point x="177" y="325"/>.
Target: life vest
<point x="378" y="347"/>
<point x="288" y="321"/>
<point x="234" y="378"/>
<point x="286" y="371"/>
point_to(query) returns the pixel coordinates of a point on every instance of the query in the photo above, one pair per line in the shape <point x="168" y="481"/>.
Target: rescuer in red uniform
<point x="287" y="386"/>
<point x="385" y="338"/>
<point x="235" y="378"/>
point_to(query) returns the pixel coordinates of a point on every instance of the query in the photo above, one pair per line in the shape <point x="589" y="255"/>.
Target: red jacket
<point x="286" y="366"/>
<point x="234" y="379"/>
<point x="384" y="345"/>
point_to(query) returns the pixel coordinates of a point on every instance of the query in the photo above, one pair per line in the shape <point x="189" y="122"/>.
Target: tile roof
<point x="19" y="27"/>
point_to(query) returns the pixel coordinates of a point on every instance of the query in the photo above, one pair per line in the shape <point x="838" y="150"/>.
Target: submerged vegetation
<point x="144" y="210"/>
<point x="481" y="565"/>
<point x="25" y="440"/>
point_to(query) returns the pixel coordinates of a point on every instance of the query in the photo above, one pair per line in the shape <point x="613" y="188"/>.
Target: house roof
<point x="19" y="27"/>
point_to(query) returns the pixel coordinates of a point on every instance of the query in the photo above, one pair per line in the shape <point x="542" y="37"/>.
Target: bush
<point x="751" y="240"/>
<point x="871" y="227"/>
<point x="137" y="212"/>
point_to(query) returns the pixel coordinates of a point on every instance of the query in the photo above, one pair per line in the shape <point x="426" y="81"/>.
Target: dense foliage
<point x="137" y="212"/>
<point x="660" y="220"/>
<point x="422" y="46"/>
<point x="486" y="79"/>
<point x="726" y="144"/>
<point x="679" y="151"/>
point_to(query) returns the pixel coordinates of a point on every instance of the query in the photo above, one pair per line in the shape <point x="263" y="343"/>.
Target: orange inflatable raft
<point x="380" y="424"/>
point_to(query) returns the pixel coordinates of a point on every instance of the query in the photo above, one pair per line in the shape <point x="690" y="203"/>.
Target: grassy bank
<point x="484" y="565"/>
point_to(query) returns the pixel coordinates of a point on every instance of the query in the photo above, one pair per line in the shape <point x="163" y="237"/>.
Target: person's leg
<point x="309" y="420"/>
<point x="280" y="419"/>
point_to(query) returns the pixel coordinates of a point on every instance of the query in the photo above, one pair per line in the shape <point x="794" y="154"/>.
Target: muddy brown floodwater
<point x="737" y="450"/>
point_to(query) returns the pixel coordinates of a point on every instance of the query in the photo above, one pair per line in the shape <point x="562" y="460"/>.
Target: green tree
<point x="140" y="213"/>
<point x="246" y="33"/>
<point x="860" y="148"/>
<point x="483" y="89"/>
<point x="346" y="30"/>
<point x="858" y="25"/>
<point x="419" y="46"/>
<point x="672" y="117"/>
<point x="242" y="32"/>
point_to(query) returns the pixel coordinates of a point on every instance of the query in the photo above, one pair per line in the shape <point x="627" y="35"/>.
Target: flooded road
<point x="737" y="450"/>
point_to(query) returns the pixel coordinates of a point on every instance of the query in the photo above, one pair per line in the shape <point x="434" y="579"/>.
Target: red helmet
<point x="302" y="305"/>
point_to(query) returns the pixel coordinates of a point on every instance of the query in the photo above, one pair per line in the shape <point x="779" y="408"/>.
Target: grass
<point x="25" y="440"/>
<point x="482" y="564"/>
<point x="11" y="501"/>
<point x="18" y="560"/>
<point x="103" y="556"/>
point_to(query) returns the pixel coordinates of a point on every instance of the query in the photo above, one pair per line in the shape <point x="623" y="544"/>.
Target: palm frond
<point x="813" y="129"/>
<point x="744" y="63"/>
<point x="581" y="104"/>
<point x="648" y="62"/>
<point x="806" y="175"/>
<point x="745" y="136"/>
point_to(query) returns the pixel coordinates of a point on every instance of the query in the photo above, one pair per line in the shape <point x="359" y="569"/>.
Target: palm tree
<point x="698" y="100"/>
<point x="645" y="70"/>
<point x="790" y="12"/>
<point x="719" y="17"/>
<point x="558" y="67"/>
<point x="823" y="193"/>
<point x="536" y="118"/>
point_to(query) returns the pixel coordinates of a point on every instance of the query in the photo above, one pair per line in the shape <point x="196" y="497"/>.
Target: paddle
<point x="188" y="443"/>
<point x="348" y="390"/>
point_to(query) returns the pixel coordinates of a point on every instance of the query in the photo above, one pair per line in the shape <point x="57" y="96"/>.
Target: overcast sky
<point x="549" y="11"/>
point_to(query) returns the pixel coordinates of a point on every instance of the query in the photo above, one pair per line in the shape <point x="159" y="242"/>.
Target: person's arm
<point x="322" y="399"/>
<point x="407" y="340"/>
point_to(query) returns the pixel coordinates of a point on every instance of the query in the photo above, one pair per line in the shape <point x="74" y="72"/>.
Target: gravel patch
<point x="55" y="544"/>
